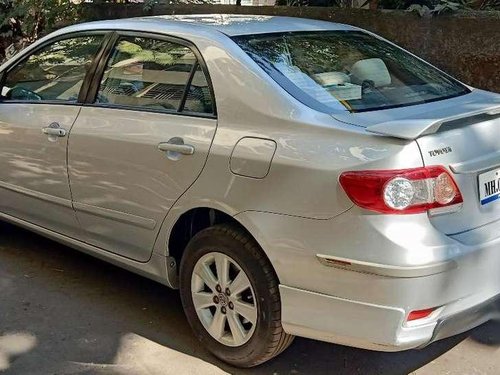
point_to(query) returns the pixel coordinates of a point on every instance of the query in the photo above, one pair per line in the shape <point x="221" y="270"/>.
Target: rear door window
<point x="154" y="74"/>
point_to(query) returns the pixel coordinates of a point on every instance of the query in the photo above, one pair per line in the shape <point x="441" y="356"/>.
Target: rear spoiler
<point x="417" y="127"/>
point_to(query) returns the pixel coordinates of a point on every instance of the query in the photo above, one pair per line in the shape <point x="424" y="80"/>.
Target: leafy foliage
<point x="444" y="6"/>
<point x="490" y="5"/>
<point x="37" y="16"/>
<point x="427" y="8"/>
<point x="312" y="3"/>
<point x="23" y="21"/>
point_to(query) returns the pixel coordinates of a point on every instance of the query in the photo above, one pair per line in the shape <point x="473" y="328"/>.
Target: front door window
<point x="54" y="73"/>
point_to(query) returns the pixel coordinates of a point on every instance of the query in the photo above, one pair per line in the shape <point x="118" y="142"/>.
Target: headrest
<point x="373" y="70"/>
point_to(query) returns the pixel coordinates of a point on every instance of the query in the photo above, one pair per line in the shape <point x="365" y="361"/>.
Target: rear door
<point x="141" y="142"/>
<point x="37" y="110"/>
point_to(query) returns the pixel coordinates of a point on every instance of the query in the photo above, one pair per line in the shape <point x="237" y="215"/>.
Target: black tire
<point x="268" y="339"/>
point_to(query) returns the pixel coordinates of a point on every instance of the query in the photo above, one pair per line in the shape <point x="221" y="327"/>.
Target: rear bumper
<point x="346" y="322"/>
<point x="374" y="327"/>
<point x="354" y="279"/>
<point x="467" y="319"/>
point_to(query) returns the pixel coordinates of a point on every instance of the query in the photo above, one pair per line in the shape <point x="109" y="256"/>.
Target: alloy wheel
<point x="224" y="299"/>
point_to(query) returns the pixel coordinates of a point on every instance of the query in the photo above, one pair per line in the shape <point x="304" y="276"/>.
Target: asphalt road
<point x="63" y="312"/>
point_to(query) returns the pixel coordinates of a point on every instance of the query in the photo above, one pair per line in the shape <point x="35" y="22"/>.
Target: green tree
<point x="37" y="16"/>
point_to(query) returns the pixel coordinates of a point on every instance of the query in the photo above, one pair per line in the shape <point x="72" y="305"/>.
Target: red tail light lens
<point x="402" y="191"/>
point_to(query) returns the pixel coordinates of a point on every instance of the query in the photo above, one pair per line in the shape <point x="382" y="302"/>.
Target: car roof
<point x="228" y="24"/>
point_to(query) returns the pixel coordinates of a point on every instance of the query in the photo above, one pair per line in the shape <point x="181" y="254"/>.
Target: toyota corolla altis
<point x="292" y="177"/>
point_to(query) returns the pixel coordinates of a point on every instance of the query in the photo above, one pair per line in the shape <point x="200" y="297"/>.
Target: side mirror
<point x="19" y="93"/>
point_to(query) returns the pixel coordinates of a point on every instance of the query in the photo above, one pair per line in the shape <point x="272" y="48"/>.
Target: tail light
<point x="402" y="191"/>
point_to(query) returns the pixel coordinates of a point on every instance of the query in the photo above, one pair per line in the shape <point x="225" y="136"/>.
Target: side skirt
<point x="155" y="269"/>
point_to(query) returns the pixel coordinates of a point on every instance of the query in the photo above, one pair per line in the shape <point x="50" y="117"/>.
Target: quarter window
<point x="154" y="74"/>
<point x="54" y="73"/>
<point x="198" y="97"/>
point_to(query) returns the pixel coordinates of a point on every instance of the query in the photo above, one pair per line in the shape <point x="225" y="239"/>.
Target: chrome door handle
<point x="54" y="130"/>
<point x="176" y="145"/>
<point x="181" y="149"/>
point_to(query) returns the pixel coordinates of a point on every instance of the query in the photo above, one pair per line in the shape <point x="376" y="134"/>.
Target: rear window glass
<point x="348" y="69"/>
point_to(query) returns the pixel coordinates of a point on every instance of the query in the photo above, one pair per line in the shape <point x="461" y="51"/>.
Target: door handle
<point x="181" y="149"/>
<point x="54" y="130"/>
<point x="176" y="146"/>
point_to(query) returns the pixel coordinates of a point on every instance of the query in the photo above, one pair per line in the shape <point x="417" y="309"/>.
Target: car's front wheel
<point x="230" y="295"/>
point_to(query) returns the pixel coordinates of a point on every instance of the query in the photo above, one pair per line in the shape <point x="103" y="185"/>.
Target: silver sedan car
<point x="291" y="177"/>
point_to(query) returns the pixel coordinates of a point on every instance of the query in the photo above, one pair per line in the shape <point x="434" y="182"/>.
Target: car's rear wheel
<point x="230" y="295"/>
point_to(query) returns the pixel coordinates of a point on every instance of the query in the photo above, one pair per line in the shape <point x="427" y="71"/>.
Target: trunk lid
<point x="470" y="148"/>
<point x="462" y="134"/>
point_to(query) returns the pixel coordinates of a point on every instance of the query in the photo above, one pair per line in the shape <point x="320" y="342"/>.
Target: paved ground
<point x="62" y="312"/>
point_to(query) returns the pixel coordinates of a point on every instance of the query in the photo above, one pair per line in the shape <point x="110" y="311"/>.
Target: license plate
<point x="489" y="186"/>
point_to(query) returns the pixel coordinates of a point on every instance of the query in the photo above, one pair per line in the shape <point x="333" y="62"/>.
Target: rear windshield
<point x="332" y="70"/>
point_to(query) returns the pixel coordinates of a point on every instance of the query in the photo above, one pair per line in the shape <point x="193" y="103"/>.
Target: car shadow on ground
<point x="65" y="312"/>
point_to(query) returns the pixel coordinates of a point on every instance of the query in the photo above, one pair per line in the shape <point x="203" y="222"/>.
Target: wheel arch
<point x="193" y="221"/>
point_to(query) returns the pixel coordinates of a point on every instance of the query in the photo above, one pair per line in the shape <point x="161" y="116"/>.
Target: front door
<point x="38" y="107"/>
<point x="141" y="144"/>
